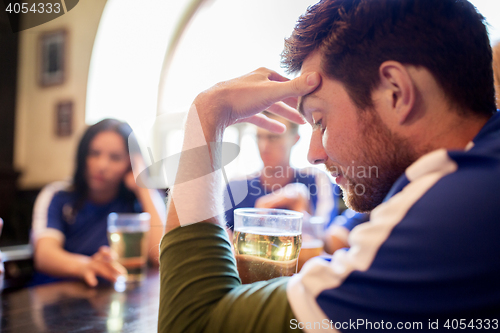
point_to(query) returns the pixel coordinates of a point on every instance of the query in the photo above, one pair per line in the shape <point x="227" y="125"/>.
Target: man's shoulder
<point x="476" y="180"/>
<point x="444" y="183"/>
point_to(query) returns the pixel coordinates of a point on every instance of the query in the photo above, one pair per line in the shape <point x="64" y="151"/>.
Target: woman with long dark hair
<point x="73" y="242"/>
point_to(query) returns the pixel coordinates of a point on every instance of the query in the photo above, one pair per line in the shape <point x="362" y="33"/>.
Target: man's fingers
<point x="273" y="125"/>
<point x="291" y="102"/>
<point x="300" y="86"/>
<point x="274" y="76"/>
<point x="266" y="123"/>
<point x="287" y="112"/>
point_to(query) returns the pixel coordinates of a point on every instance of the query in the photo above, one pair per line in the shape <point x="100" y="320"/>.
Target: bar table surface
<point x="71" y="306"/>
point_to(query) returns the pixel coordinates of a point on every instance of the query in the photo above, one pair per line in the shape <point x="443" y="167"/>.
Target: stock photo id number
<point x="28" y="14"/>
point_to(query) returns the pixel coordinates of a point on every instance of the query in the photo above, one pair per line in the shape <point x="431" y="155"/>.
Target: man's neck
<point x="448" y="132"/>
<point x="463" y="131"/>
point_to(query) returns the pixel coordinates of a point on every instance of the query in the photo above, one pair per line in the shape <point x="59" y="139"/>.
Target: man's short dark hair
<point x="448" y="37"/>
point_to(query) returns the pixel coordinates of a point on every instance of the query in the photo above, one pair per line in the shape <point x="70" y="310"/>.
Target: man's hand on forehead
<point x="242" y="99"/>
<point x="227" y="103"/>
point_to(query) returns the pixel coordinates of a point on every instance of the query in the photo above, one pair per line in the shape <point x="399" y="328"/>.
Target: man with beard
<point x="403" y="87"/>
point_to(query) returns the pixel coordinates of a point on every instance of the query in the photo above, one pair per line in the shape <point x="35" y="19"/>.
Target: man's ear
<point x="399" y="91"/>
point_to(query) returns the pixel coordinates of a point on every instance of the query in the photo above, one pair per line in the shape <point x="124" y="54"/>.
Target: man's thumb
<point x="313" y="79"/>
<point x="306" y="83"/>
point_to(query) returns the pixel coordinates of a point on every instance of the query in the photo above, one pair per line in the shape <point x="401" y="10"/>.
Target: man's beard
<point x="383" y="151"/>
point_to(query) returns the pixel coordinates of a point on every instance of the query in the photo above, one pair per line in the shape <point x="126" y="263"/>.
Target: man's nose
<point x="317" y="153"/>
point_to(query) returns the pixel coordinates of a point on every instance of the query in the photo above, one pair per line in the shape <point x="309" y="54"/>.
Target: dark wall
<point x="8" y="176"/>
<point x="8" y="81"/>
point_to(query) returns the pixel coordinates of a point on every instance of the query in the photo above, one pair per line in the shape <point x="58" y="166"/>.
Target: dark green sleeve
<point x="201" y="290"/>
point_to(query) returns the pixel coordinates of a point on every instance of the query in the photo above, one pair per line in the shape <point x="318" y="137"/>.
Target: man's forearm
<point x="201" y="290"/>
<point x="196" y="195"/>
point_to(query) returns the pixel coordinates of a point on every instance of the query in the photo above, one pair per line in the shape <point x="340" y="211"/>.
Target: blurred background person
<point x="70" y="233"/>
<point x="496" y="71"/>
<point x="279" y="185"/>
<point x="337" y="234"/>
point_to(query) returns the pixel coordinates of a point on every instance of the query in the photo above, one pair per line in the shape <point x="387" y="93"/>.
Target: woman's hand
<point x="130" y="182"/>
<point x="103" y="263"/>
<point x="137" y="164"/>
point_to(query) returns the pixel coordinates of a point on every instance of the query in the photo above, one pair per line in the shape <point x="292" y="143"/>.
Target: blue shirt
<point x="349" y="219"/>
<point x="430" y="251"/>
<point x="319" y="190"/>
<point x="86" y="232"/>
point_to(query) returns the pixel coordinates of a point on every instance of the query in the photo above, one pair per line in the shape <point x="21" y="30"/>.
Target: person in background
<point x="337" y="235"/>
<point x="406" y="86"/>
<point x="70" y="236"/>
<point x="278" y="185"/>
<point x="496" y="72"/>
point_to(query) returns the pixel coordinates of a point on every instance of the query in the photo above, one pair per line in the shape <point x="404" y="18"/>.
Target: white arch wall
<point x="491" y="11"/>
<point x="127" y="59"/>
<point x="226" y="39"/>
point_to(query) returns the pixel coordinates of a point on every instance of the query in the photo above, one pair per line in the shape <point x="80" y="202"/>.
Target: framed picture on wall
<point x="52" y="57"/>
<point x="64" y="118"/>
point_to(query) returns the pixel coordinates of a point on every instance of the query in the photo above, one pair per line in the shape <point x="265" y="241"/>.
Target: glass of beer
<point x="266" y="242"/>
<point x="128" y="236"/>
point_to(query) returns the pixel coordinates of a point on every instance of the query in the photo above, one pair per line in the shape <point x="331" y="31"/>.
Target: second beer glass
<point x="128" y="237"/>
